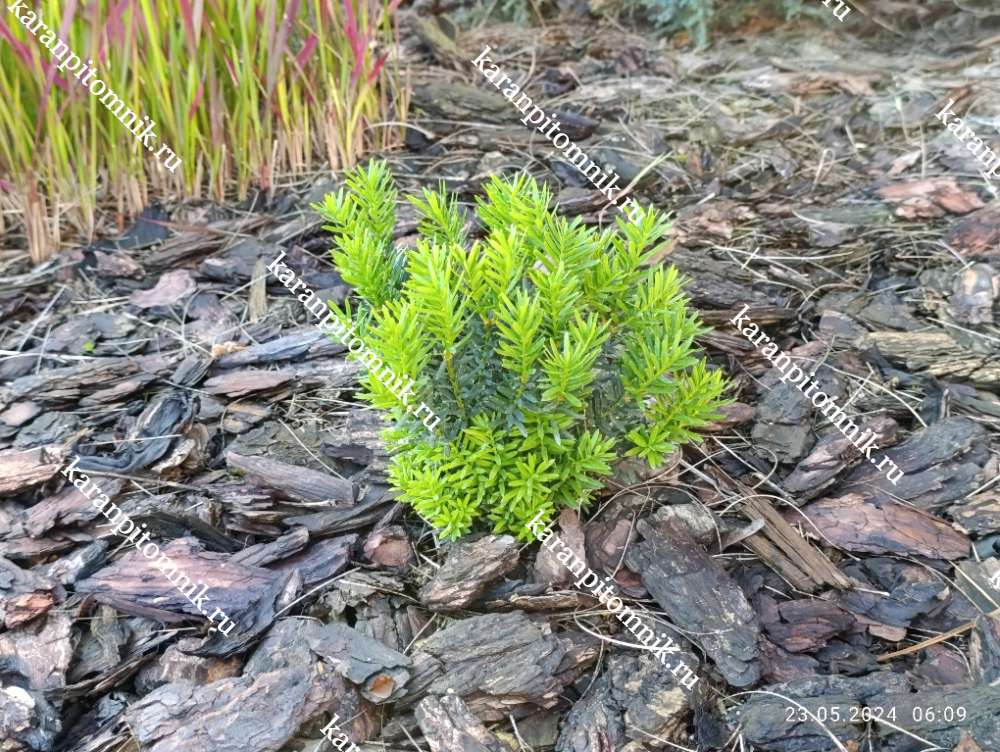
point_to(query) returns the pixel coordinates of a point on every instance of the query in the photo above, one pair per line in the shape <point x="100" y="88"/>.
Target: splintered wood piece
<point x="296" y="482"/>
<point x="770" y="554"/>
<point x="257" y="302"/>
<point x="789" y="553"/>
<point x="448" y="726"/>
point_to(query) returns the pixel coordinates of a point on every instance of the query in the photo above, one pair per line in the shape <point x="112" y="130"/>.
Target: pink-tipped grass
<point x="241" y="90"/>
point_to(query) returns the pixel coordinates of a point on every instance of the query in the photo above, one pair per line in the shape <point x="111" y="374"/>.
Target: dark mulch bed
<point x="809" y="180"/>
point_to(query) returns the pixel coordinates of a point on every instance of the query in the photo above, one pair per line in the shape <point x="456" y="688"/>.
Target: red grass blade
<point x="376" y="68"/>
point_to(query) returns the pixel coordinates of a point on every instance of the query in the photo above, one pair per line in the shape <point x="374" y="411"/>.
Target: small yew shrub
<point x="547" y="348"/>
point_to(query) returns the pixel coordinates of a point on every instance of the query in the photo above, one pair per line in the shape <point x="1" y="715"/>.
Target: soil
<point x="823" y="606"/>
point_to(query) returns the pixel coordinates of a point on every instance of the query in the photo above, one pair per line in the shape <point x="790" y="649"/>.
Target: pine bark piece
<point x="309" y="342"/>
<point x="975" y="291"/>
<point x="941" y="463"/>
<point x="177" y="666"/>
<point x="634" y="698"/>
<point x="379" y="671"/>
<point x="978" y="234"/>
<point x="448" y="726"/>
<point x="320" y="561"/>
<point x="806" y="625"/>
<point x="698" y="596"/>
<point x="978" y="514"/>
<point x="20" y="469"/>
<point x="547" y="567"/>
<point x="468" y="568"/>
<point x="169" y="414"/>
<point x="608" y="538"/>
<point x="27" y="720"/>
<point x="37" y="656"/>
<point x="782" y="422"/>
<point x="857" y="524"/>
<point x="170" y="288"/>
<point x="497" y="663"/>
<point x="967" y="744"/>
<point x="936" y="353"/>
<point x="984" y="649"/>
<point x="294" y="481"/>
<point x="359" y="440"/>
<point x="923" y="714"/>
<point x="68" y="385"/>
<point x="248" y="595"/>
<point x="913" y="591"/>
<point x="242" y="383"/>
<point x="594" y="722"/>
<point x="262" y="554"/>
<point x="655" y="707"/>
<point x="930" y="197"/>
<point x="763" y="718"/>
<point x="286" y="647"/>
<point x="832" y="455"/>
<point x="81" y="563"/>
<point x="68" y="507"/>
<point x="24" y="594"/>
<point x="390" y="548"/>
<point x="101" y="644"/>
<point x="241" y="714"/>
<point x="19" y="413"/>
<point x="366" y="512"/>
<point x="118" y="392"/>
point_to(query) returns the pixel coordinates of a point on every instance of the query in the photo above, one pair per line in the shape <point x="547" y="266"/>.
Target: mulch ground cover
<point x="824" y="607"/>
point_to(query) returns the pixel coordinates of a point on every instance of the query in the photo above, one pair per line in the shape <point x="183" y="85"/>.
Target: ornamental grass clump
<point x="548" y="349"/>
<point x="242" y="90"/>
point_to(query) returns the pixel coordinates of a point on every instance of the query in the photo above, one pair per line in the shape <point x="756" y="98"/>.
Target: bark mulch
<point x="809" y="179"/>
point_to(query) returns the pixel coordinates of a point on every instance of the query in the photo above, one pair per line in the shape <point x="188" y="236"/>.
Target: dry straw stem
<point x="240" y="90"/>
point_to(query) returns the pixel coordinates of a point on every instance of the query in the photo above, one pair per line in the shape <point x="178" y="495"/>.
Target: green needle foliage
<point x="547" y="348"/>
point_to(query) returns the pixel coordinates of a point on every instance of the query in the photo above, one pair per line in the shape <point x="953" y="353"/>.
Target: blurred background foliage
<point x="696" y="20"/>
<point x="241" y="90"/>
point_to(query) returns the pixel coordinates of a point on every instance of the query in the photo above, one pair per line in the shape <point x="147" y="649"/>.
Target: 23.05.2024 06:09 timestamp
<point x="858" y="714"/>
